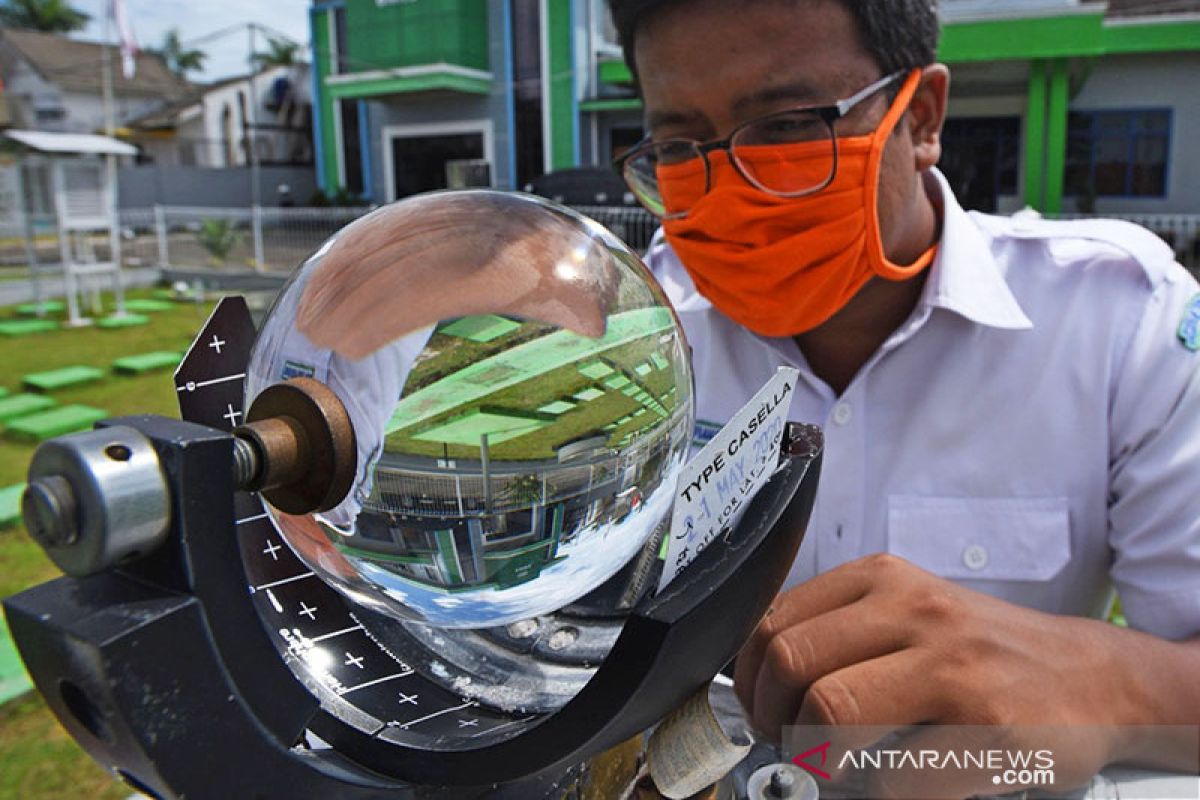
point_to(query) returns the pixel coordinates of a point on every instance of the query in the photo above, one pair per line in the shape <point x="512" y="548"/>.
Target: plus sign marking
<point x="305" y="611"/>
<point x="217" y="344"/>
<point x="271" y="550"/>
<point x="356" y="661"/>
<point x="230" y="414"/>
<point x="408" y="698"/>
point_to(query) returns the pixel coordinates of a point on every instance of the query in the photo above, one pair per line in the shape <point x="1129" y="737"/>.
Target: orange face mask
<point x="782" y="266"/>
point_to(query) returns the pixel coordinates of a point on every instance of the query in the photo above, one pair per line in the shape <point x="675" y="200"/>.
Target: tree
<point x="51" y="16"/>
<point x="179" y="60"/>
<point x="279" y="53"/>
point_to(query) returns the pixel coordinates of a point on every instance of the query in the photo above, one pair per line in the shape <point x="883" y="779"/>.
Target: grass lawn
<point x="38" y="760"/>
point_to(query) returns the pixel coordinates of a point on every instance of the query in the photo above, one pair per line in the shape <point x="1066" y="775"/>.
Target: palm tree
<point x="280" y="53"/>
<point x="179" y="60"/>
<point x="51" y="16"/>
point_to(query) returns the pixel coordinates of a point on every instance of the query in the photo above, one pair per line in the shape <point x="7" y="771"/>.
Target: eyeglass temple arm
<point x="844" y="106"/>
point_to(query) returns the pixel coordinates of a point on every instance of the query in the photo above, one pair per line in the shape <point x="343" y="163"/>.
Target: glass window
<point x="1118" y="153"/>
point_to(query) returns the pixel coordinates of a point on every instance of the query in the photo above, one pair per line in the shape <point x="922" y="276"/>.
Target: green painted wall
<point x="321" y="22"/>
<point x="408" y="34"/>
<point x="559" y="95"/>
<point x="1057" y="100"/>
<point x="1034" y="150"/>
<point x="1043" y="37"/>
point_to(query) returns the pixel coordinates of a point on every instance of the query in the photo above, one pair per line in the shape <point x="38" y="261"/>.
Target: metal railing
<point x="1180" y="231"/>
<point x="279" y="239"/>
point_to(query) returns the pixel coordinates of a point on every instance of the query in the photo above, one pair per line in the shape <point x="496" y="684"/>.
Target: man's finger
<point x="828" y="591"/>
<point x="800" y="655"/>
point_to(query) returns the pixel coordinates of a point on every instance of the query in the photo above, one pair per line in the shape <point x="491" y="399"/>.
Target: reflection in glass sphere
<point x="521" y="397"/>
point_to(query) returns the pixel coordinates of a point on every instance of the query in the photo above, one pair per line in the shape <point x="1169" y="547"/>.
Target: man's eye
<point x="784" y="128"/>
<point x="675" y="152"/>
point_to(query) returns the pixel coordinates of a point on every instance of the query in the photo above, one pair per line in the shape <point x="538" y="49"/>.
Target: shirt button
<point x="842" y="413"/>
<point x="975" y="557"/>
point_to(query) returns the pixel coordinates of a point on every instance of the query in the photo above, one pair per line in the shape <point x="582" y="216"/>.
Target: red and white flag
<point x="129" y="47"/>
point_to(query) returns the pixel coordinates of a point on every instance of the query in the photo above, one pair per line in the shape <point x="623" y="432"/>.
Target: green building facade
<point x="1062" y="105"/>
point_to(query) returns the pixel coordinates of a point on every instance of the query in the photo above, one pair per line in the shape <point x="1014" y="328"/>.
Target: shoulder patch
<point x="1144" y="246"/>
<point x="1189" y="326"/>
<point x="295" y="369"/>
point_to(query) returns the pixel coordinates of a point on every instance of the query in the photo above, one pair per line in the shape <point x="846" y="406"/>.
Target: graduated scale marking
<point x="192" y="386"/>
<point x="348" y="689"/>
<point x="280" y="582"/>
<point x="411" y="722"/>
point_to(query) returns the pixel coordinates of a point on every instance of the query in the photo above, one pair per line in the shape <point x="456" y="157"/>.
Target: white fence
<point x="279" y="239"/>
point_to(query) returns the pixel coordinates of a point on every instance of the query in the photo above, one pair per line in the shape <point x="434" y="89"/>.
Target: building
<point x="215" y="124"/>
<point x="53" y="83"/>
<point x="1063" y="105"/>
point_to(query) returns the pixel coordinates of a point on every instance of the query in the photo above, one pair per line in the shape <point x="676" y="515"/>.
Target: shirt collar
<point x="965" y="277"/>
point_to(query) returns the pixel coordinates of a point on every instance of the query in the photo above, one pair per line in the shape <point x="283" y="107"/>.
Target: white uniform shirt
<point x="1031" y="432"/>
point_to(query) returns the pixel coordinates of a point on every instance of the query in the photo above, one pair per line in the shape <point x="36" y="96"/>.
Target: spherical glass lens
<point x="521" y="398"/>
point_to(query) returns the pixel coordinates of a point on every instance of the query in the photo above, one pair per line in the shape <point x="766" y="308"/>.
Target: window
<point x="980" y="158"/>
<point x="1118" y="153"/>
<point x="51" y="114"/>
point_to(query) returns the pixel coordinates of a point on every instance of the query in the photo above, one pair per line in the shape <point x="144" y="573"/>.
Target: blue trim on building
<point x="314" y="73"/>
<point x="364" y="148"/>
<point x="509" y="100"/>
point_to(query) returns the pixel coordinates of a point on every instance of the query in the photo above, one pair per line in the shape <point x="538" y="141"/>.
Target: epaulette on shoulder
<point x="1144" y="246"/>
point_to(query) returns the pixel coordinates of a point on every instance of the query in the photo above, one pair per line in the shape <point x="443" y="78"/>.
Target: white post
<point x="110" y="168"/>
<point x="256" y="224"/>
<point x="255" y="173"/>
<point x="160" y="233"/>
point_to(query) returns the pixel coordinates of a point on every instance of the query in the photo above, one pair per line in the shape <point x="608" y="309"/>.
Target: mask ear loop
<point x="880" y="264"/>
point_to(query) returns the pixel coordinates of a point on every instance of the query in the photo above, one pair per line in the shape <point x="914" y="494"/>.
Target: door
<point x="419" y="162"/>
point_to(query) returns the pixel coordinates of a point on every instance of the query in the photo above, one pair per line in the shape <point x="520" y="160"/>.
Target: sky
<point x="195" y="19"/>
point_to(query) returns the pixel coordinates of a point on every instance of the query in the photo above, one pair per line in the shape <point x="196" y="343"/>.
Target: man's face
<point x="707" y="66"/>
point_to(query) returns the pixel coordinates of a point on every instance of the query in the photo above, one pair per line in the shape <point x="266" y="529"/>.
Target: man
<point x="1011" y="406"/>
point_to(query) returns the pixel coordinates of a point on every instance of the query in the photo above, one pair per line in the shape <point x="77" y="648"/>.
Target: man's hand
<point x="881" y="642"/>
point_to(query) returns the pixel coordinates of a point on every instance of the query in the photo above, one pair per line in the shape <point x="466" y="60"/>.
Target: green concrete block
<point x="596" y="370"/>
<point x="24" y="327"/>
<point x="13" y="679"/>
<point x="589" y="394"/>
<point x="10" y="504"/>
<point x="61" y="378"/>
<point x="557" y="407"/>
<point x="21" y="405"/>
<point x="123" y="321"/>
<point x="616" y="382"/>
<point x="55" y="422"/>
<point x="145" y="305"/>
<point x="481" y="328"/>
<point x="3" y="392"/>
<point x="146" y="362"/>
<point x="44" y="307"/>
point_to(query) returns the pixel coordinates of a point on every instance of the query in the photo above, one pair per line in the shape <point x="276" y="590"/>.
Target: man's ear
<point x="926" y="113"/>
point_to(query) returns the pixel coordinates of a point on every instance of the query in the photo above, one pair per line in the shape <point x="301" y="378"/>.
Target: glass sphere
<point x="521" y="398"/>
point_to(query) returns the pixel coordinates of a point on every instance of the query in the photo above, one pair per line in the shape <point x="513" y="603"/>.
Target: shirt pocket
<point x="982" y="538"/>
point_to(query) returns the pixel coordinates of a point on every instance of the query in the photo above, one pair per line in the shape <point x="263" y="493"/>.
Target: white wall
<point x="1148" y="81"/>
<point x="217" y="100"/>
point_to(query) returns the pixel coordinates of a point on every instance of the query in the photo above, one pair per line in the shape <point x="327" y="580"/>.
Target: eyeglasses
<point x="684" y="164"/>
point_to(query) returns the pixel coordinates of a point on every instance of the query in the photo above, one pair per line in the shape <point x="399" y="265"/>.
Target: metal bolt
<point x="782" y="784"/>
<point x="562" y="638"/>
<point x="51" y="511"/>
<point x="523" y="629"/>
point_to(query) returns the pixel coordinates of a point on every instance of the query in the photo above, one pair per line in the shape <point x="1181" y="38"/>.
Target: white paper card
<point x="724" y="476"/>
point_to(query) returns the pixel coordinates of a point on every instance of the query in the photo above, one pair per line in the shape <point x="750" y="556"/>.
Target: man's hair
<point x="899" y="34"/>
